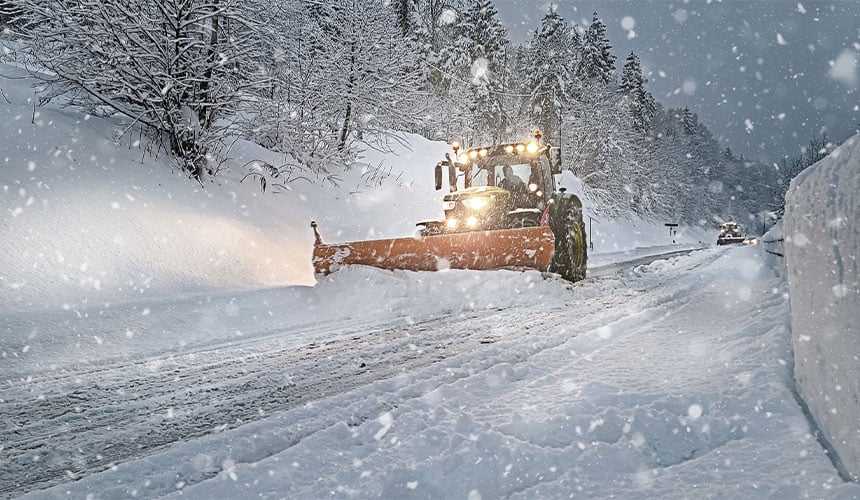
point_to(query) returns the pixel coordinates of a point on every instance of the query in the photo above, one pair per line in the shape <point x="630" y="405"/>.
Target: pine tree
<point x="641" y="102"/>
<point x="688" y="120"/>
<point x="477" y="63"/>
<point x="550" y="71"/>
<point x="596" y="61"/>
<point x="405" y="12"/>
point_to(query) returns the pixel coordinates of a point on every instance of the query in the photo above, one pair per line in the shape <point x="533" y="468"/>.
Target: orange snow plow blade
<point x="521" y="248"/>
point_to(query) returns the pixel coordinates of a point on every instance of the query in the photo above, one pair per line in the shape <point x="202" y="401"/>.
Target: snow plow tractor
<point x="730" y="233"/>
<point x="502" y="211"/>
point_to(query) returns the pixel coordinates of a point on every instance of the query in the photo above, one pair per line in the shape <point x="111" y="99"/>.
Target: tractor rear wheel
<point x="570" y="256"/>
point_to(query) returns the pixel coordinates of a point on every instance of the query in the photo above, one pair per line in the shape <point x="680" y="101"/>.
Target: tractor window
<point x="480" y="177"/>
<point x="491" y="174"/>
<point x="522" y="170"/>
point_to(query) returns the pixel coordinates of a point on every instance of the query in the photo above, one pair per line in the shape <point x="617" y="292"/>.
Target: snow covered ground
<point x="159" y="339"/>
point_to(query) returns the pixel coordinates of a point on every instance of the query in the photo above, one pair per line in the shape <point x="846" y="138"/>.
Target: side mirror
<point x="555" y="160"/>
<point x="438" y="176"/>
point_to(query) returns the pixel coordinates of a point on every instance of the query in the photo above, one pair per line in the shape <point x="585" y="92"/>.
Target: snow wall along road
<point x="822" y="246"/>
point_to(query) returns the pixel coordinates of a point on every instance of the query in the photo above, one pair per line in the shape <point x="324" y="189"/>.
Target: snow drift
<point x="822" y="242"/>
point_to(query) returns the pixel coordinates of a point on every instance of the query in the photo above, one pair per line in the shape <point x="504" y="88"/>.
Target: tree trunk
<point x="350" y="85"/>
<point x="203" y="114"/>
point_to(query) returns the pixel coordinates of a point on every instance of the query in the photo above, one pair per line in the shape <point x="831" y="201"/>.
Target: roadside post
<point x="672" y="230"/>
<point x="590" y="239"/>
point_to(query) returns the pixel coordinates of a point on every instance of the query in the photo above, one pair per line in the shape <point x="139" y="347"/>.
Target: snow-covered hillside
<point x="822" y="247"/>
<point x="94" y="217"/>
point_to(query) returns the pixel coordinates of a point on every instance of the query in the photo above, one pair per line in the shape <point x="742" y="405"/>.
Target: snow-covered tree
<point x="343" y="71"/>
<point x="599" y="148"/>
<point x="368" y="66"/>
<point x="177" y="66"/>
<point x="8" y="12"/>
<point x="477" y="62"/>
<point x="641" y="103"/>
<point x="406" y="12"/>
<point x="596" y="61"/>
<point x="549" y="70"/>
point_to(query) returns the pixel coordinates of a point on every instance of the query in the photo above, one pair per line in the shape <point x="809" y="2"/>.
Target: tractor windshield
<point x="489" y="174"/>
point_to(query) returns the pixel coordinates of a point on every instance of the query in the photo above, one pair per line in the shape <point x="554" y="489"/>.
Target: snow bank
<point x="353" y="297"/>
<point x="89" y="215"/>
<point x="822" y="242"/>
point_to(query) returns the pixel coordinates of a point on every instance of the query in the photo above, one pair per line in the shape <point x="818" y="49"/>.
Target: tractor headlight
<point x="533" y="187"/>
<point x="451" y="223"/>
<point x="472" y="221"/>
<point x="532" y="147"/>
<point x="477" y="203"/>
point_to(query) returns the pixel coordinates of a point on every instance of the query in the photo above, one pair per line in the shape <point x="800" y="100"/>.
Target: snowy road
<point x="74" y="422"/>
<point x="647" y="378"/>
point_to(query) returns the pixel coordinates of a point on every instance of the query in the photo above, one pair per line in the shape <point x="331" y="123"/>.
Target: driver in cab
<point x="511" y="181"/>
<point x="515" y="185"/>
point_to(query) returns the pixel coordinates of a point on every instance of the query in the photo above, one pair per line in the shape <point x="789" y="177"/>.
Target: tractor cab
<point x="496" y="187"/>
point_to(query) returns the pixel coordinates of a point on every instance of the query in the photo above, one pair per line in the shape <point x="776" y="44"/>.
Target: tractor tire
<point x="570" y="256"/>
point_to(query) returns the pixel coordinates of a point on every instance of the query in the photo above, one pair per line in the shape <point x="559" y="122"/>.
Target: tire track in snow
<point x="82" y="423"/>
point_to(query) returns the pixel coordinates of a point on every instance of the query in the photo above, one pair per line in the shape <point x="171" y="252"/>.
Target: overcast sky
<point x="763" y="75"/>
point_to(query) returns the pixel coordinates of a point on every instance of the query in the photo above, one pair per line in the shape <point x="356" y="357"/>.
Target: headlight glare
<point x="476" y="203"/>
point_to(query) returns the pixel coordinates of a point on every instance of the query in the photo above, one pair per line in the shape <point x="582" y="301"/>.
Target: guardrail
<point x="778" y="244"/>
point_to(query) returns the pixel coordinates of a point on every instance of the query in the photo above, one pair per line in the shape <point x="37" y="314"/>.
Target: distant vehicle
<point x="730" y="233"/>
